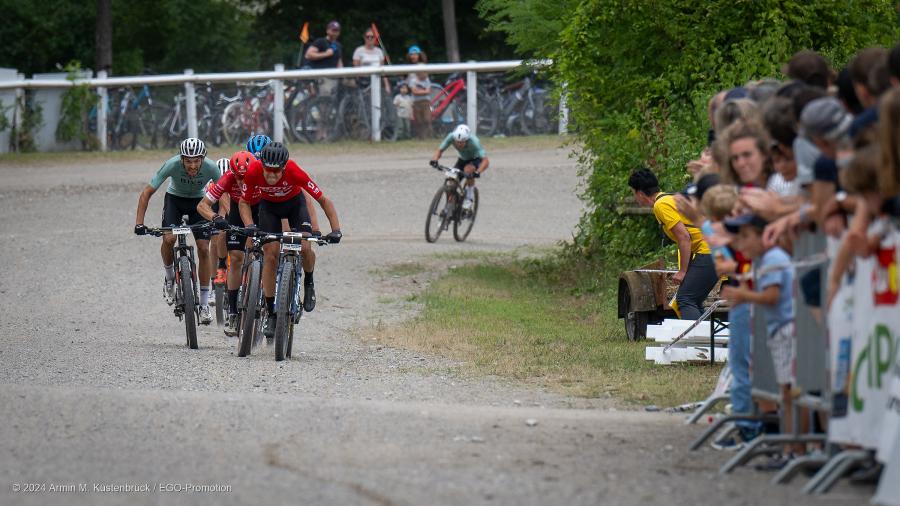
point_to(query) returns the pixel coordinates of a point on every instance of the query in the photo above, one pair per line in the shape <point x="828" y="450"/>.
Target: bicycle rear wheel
<point x="283" y="310"/>
<point x="187" y="296"/>
<point x="437" y="215"/>
<point x="463" y="225"/>
<point x="249" y="311"/>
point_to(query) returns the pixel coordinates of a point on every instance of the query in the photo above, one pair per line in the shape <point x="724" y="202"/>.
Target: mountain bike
<point x="288" y="306"/>
<point x="251" y="302"/>
<point x="187" y="295"/>
<point x="446" y="207"/>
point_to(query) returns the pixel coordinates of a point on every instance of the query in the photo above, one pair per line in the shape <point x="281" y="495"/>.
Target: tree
<point x="450" y="36"/>
<point x="639" y="75"/>
<point x="103" y="37"/>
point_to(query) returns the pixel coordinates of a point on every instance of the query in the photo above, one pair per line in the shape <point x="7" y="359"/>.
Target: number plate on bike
<point x="290" y="247"/>
<point x="181" y="231"/>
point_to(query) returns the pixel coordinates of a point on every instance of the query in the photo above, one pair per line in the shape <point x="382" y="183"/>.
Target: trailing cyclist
<point x="189" y="172"/>
<point x="256" y="143"/>
<point x="225" y="194"/>
<point x="217" y="245"/>
<point x="281" y="185"/>
<point x="472" y="160"/>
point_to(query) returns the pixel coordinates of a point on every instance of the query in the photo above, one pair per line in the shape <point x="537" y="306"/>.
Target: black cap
<point x="734" y="225"/>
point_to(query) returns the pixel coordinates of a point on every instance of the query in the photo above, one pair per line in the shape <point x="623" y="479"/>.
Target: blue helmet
<point x="256" y="143"/>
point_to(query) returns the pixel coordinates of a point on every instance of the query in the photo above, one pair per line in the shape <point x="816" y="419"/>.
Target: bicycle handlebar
<point x="275" y="236"/>
<point x="455" y="171"/>
<point x="158" y="231"/>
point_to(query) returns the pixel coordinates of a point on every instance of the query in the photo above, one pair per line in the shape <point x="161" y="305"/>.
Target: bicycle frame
<point x="181" y="249"/>
<point x="446" y="96"/>
<point x="290" y="251"/>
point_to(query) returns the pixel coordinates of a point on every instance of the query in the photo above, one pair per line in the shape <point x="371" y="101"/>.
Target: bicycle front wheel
<point x="249" y="312"/>
<point x="437" y="215"/>
<point x="463" y="225"/>
<point x="283" y="310"/>
<point x="190" y="305"/>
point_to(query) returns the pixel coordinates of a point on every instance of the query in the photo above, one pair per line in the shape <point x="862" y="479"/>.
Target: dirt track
<point x="97" y="387"/>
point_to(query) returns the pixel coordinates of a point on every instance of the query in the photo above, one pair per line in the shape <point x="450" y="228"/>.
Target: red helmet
<point x="240" y="162"/>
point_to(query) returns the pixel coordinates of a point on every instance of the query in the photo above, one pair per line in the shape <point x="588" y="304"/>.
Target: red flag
<point x="380" y="43"/>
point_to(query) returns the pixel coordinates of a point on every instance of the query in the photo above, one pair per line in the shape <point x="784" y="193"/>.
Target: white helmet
<point x="461" y="133"/>
<point x="224" y="165"/>
<point x="193" y="147"/>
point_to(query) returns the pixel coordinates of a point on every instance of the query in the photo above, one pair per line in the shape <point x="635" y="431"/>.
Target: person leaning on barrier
<point x="326" y="53"/>
<point x="696" y="274"/>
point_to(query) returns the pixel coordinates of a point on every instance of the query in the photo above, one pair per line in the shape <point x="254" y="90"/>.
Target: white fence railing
<point x="276" y="80"/>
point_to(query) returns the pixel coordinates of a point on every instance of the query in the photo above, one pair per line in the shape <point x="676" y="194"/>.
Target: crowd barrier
<point x="847" y="367"/>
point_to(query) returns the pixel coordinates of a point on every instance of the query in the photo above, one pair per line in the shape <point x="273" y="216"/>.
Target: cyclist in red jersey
<point x="227" y="192"/>
<point x="281" y="184"/>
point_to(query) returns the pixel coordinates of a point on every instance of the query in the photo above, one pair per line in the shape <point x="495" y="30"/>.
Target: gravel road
<point x="97" y="388"/>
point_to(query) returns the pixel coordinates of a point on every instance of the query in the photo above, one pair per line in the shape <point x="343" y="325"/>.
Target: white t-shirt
<point x="366" y="57"/>
<point x="782" y="187"/>
<point x="404" y="106"/>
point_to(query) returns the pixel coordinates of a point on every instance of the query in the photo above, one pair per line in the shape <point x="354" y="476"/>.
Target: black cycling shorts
<point x="461" y="164"/>
<point x="236" y="241"/>
<point x="175" y="207"/>
<point x="294" y="210"/>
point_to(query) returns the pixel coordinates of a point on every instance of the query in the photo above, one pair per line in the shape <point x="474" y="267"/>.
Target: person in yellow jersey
<point x="696" y="275"/>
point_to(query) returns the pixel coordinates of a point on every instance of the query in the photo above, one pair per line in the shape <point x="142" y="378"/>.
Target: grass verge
<point x="522" y="319"/>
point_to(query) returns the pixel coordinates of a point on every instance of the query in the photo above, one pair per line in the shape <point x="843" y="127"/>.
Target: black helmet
<point x="274" y="155"/>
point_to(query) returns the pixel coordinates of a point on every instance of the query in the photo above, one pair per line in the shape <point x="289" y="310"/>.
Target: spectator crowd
<point x="797" y="198"/>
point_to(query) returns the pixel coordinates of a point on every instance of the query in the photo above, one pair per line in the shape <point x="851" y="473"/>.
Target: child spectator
<point x="773" y="295"/>
<point x="403" y="101"/>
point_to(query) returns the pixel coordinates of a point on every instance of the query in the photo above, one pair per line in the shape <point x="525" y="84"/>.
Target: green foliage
<point x="77" y="102"/>
<point x="4" y="121"/>
<point x="544" y="21"/>
<point x="32" y="114"/>
<point x="639" y="75"/>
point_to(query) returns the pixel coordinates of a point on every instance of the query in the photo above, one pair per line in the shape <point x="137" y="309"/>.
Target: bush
<point x="639" y="75"/>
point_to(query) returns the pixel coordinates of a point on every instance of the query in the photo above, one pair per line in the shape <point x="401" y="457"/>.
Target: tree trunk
<point x="103" y="37"/>
<point x="451" y="38"/>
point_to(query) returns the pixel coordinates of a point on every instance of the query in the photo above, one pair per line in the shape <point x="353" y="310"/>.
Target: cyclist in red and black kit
<point x="230" y="189"/>
<point x="280" y="184"/>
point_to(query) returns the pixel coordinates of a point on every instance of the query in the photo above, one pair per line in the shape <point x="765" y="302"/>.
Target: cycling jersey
<point x="229" y="183"/>
<point x="181" y="184"/>
<point x="293" y="180"/>
<point x="471" y="150"/>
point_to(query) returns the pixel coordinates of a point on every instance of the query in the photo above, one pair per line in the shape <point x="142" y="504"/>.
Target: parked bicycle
<point x="446" y="207"/>
<point x="187" y="295"/>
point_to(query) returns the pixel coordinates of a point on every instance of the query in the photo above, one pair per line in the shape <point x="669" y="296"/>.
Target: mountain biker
<point x="472" y="160"/>
<point x="188" y="171"/>
<point x="281" y="184"/>
<point x="256" y="143"/>
<point x="217" y="244"/>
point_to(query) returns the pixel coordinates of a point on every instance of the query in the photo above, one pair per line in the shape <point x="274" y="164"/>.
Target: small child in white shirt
<point x="403" y="101"/>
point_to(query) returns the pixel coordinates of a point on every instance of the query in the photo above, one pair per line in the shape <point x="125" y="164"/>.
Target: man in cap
<point x="325" y="53"/>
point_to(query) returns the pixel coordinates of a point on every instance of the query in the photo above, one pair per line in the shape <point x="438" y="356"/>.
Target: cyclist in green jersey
<point x="472" y="160"/>
<point x="188" y="172"/>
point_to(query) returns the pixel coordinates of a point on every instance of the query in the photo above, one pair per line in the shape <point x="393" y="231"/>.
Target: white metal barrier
<point x="277" y="77"/>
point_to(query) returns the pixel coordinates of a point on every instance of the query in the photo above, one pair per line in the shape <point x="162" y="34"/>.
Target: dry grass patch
<point x="505" y="319"/>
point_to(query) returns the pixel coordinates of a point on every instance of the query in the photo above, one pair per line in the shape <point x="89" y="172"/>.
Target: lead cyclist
<point x="472" y="159"/>
<point x="189" y="172"/>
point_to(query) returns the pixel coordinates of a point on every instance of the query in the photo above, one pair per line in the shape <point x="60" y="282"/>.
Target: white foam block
<point x="691" y="354"/>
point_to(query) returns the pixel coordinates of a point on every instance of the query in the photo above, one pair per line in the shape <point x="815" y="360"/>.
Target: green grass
<point x="535" y="142"/>
<point x="508" y="318"/>
<point x="402" y="269"/>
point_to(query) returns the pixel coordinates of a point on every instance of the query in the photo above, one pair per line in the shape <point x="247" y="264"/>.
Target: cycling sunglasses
<point x="269" y="168"/>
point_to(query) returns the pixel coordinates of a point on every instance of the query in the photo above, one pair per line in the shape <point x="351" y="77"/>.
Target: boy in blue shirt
<point x="773" y="295"/>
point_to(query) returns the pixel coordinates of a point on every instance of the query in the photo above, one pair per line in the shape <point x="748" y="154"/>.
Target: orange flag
<point x="304" y="33"/>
